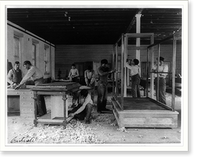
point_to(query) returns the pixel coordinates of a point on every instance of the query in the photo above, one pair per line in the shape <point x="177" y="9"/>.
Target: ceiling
<point x="94" y="25"/>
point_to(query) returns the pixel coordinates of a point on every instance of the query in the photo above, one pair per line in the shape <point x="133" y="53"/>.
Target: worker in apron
<point x="83" y="110"/>
<point x="14" y="75"/>
<point x="36" y="75"/>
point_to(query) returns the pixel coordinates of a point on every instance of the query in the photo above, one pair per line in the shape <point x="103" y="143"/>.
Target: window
<point x="35" y="44"/>
<point x="17" y="45"/>
<point x="46" y="59"/>
<point x="34" y="52"/>
<point x="16" y="48"/>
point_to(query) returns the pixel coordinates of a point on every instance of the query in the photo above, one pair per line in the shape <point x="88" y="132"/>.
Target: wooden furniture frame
<point x="124" y="53"/>
<point x="142" y="116"/>
<point x="174" y="38"/>
<point x="41" y="90"/>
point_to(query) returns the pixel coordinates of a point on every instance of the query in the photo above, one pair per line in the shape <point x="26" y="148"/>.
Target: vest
<point x="17" y="76"/>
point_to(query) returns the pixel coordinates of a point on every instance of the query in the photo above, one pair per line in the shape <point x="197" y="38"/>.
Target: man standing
<point x="103" y="72"/>
<point x="135" y="77"/>
<point x="14" y="75"/>
<point x="36" y="75"/>
<point x="162" y="79"/>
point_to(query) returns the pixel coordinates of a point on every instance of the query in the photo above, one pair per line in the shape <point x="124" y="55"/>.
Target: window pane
<point x="34" y="54"/>
<point x="16" y="48"/>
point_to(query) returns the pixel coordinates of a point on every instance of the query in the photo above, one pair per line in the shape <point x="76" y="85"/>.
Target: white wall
<point x="69" y="54"/>
<point x="26" y="40"/>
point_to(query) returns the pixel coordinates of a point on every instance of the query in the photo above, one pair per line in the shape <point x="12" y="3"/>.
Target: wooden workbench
<point x="56" y="89"/>
<point x="20" y="102"/>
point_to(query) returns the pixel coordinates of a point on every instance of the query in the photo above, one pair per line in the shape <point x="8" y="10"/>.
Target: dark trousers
<point x="162" y="90"/>
<point x="41" y="106"/>
<point x="102" y="96"/>
<point x="75" y="79"/>
<point x="135" y="79"/>
<point x="92" y="91"/>
<point x="85" y="114"/>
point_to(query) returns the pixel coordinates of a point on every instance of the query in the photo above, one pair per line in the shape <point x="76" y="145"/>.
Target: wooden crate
<point x="144" y="113"/>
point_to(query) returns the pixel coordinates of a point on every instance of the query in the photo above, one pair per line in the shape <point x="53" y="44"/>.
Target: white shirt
<point x="135" y="69"/>
<point x="162" y="68"/>
<point x="88" y="100"/>
<point x="33" y="73"/>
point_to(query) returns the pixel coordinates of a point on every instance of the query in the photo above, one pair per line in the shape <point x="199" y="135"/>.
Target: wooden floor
<point x="140" y="104"/>
<point x="144" y="112"/>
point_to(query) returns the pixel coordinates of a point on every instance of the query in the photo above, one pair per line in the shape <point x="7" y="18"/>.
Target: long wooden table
<point x="61" y="89"/>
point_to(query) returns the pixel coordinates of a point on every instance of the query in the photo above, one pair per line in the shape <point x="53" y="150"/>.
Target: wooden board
<point x="144" y="112"/>
<point x="57" y="109"/>
<point x="66" y="85"/>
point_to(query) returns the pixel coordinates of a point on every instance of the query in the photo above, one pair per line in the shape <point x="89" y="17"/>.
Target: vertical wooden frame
<point x="125" y="69"/>
<point x="152" y="66"/>
<point x="173" y="73"/>
<point x="122" y="71"/>
<point x="35" y="108"/>
<point x="113" y="75"/>
<point x="157" y="88"/>
<point x="116" y="67"/>
<point x="147" y="73"/>
<point x="64" y="103"/>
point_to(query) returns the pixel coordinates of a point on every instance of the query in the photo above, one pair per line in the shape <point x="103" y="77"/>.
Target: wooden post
<point x="122" y="72"/>
<point x="152" y="66"/>
<point x="147" y="73"/>
<point x="116" y="66"/>
<point x="65" y="118"/>
<point x="113" y="75"/>
<point x="173" y="73"/>
<point x="157" y="89"/>
<point x="35" y="108"/>
<point x="125" y="69"/>
<point x="138" y="26"/>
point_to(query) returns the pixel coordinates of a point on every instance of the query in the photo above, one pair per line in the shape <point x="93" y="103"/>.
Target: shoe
<point x="105" y="111"/>
<point x="39" y="115"/>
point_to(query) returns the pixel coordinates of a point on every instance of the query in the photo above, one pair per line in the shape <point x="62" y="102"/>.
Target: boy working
<point x="36" y="75"/>
<point x="14" y="75"/>
<point x="103" y="72"/>
<point x="83" y="110"/>
<point x="135" y="77"/>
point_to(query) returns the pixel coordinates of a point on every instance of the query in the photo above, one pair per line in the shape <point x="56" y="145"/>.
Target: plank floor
<point x="140" y="104"/>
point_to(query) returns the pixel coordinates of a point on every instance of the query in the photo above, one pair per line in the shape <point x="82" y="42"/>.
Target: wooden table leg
<point x="65" y="119"/>
<point x="35" y="108"/>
